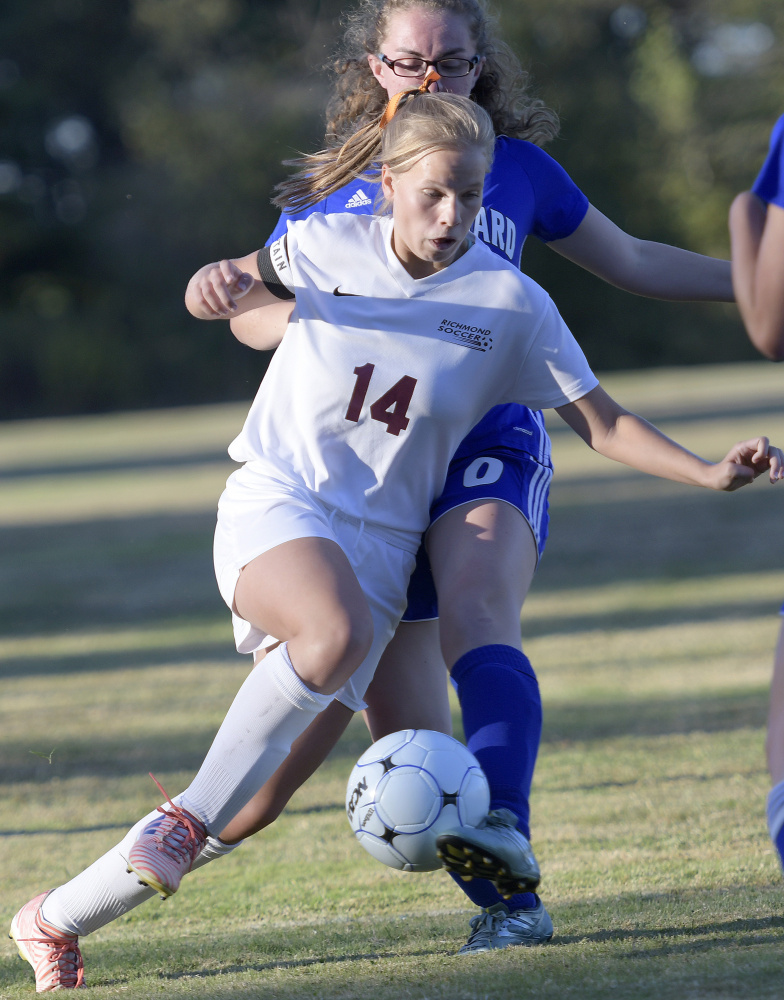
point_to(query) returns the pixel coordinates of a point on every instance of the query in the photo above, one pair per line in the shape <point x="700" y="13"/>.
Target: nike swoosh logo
<point x="337" y="291"/>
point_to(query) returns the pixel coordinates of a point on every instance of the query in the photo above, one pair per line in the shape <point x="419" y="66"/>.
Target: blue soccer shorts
<point x="516" y="470"/>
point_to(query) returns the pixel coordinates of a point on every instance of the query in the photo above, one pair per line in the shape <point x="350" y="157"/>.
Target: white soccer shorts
<point x="256" y="513"/>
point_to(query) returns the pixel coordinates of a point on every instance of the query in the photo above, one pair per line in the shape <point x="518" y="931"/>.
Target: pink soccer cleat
<point x="166" y="848"/>
<point x="53" y="954"/>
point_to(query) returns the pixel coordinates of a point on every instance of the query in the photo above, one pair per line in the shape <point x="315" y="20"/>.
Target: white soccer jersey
<point x="380" y="376"/>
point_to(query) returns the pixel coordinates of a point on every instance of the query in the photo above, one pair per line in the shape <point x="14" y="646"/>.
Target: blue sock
<point x="502" y="720"/>
<point x="775" y="810"/>
<point x="779" y="842"/>
<point x="483" y="893"/>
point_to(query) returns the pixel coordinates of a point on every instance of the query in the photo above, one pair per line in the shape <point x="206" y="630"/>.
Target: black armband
<point x="270" y="276"/>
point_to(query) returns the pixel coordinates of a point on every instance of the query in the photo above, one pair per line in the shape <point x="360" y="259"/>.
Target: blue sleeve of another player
<point x="769" y="185"/>
<point x="560" y="204"/>
<point x="358" y="197"/>
<point x="286" y="217"/>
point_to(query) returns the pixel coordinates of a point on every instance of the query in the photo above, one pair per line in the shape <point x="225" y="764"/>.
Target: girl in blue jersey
<point x="757" y="235"/>
<point x="489" y="527"/>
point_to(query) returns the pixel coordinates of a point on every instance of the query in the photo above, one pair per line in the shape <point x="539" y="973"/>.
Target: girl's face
<point x="434" y="204"/>
<point x="429" y="35"/>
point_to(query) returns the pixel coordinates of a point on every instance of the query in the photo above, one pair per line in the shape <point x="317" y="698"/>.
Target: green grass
<point x="651" y="625"/>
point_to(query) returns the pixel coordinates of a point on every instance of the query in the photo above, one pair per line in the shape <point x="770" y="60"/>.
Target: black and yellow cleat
<point x="494" y="850"/>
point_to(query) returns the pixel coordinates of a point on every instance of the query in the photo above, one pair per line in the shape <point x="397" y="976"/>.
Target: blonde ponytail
<point x="421" y="124"/>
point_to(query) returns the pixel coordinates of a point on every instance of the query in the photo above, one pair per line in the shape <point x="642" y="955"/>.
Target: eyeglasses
<point x="450" y="66"/>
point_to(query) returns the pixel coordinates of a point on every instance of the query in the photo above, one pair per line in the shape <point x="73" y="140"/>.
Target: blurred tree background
<point x="141" y="138"/>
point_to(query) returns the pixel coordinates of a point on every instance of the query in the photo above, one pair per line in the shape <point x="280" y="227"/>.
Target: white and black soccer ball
<point x="408" y="788"/>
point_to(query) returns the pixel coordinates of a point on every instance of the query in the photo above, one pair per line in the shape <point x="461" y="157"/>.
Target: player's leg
<point x="484" y="556"/>
<point x="48" y="928"/>
<point x="417" y="699"/>
<point x="272" y="709"/>
<point x="308" y="751"/>
<point x="305" y="592"/>
<point x="426" y="694"/>
<point x="489" y="527"/>
<point x="104" y="891"/>
<point x="775" y="749"/>
<point x="409" y="689"/>
<point x="341" y="614"/>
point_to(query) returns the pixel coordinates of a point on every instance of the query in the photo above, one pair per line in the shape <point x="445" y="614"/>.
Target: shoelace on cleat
<point x="504" y="818"/>
<point x="500" y="817"/>
<point x="67" y="962"/>
<point x="178" y="844"/>
<point x="64" y="955"/>
<point x="484" y="925"/>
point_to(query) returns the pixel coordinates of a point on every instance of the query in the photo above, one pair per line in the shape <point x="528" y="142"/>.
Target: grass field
<point x="651" y="626"/>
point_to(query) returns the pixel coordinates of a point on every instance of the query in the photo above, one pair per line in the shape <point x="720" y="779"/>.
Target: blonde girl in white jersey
<point x="304" y="568"/>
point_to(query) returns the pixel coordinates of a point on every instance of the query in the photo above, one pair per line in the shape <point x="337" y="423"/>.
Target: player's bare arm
<point x="757" y="237"/>
<point x="233" y="290"/>
<point x="657" y="270"/>
<point x="616" y="433"/>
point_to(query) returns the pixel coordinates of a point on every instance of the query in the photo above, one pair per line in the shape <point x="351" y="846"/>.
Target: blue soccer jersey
<point x="526" y="192"/>
<point x="769" y="185"/>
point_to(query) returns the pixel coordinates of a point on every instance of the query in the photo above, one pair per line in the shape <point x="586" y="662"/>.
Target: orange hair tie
<point x="394" y="102"/>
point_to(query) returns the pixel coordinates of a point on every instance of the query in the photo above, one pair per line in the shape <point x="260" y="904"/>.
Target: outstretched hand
<point x="214" y="290"/>
<point x="747" y="460"/>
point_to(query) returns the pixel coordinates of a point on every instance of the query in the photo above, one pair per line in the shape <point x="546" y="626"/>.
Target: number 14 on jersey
<point x="390" y="408"/>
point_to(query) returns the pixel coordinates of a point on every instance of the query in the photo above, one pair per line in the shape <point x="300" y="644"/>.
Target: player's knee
<point x="335" y="650"/>
<point x="474" y="619"/>
<point x="467" y="609"/>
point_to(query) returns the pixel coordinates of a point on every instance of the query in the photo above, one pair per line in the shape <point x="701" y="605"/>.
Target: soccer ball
<point x="408" y="788"/>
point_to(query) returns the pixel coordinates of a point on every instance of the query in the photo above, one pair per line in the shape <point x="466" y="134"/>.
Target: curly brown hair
<point x="502" y="88"/>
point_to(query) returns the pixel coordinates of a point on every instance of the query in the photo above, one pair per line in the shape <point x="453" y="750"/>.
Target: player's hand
<point x="745" y="461"/>
<point x="215" y="289"/>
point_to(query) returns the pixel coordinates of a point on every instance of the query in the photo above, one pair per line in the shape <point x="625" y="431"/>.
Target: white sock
<point x="105" y="890"/>
<point x="100" y="893"/>
<point x="272" y="708"/>
<point x="212" y="850"/>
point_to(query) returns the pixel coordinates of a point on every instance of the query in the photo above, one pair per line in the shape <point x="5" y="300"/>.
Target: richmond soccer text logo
<point x="474" y="337"/>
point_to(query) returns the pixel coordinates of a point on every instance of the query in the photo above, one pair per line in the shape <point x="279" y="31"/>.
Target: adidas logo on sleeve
<point x="358" y="200"/>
